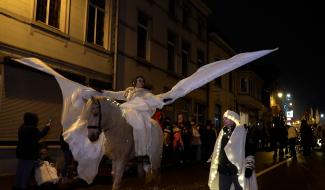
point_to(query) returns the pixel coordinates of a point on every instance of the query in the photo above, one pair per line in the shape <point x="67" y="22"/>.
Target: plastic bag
<point x="45" y="172"/>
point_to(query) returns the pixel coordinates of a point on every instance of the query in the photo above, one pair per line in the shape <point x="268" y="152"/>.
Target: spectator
<point x="45" y="171"/>
<point x="292" y="139"/>
<point x="195" y="142"/>
<point x="208" y="139"/>
<point x="28" y="148"/>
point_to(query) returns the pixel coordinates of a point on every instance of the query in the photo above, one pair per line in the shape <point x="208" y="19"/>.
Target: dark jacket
<point x="28" y="141"/>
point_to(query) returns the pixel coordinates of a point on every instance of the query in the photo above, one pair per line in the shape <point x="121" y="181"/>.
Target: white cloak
<point x="235" y="152"/>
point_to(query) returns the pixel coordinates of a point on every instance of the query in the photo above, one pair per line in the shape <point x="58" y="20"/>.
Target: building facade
<point x="105" y="45"/>
<point x="73" y="37"/>
<point x="164" y="41"/>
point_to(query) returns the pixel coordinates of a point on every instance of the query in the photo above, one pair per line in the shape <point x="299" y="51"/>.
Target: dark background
<point x="295" y="27"/>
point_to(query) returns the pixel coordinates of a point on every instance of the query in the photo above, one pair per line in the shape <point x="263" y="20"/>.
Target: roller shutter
<point x="27" y="90"/>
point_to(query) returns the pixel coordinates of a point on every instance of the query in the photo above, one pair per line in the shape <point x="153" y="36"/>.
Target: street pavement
<point x="305" y="173"/>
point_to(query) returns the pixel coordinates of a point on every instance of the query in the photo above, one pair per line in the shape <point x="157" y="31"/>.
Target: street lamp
<point x="280" y="94"/>
<point x="288" y="95"/>
<point x="321" y="115"/>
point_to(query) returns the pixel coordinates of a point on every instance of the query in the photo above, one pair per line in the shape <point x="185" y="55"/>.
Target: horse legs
<point x="152" y="175"/>
<point x="118" y="170"/>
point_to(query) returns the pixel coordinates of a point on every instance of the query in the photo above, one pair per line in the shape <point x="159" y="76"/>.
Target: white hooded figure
<point x="232" y="165"/>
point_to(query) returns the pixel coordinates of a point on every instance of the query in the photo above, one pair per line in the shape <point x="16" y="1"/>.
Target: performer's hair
<point x="134" y="82"/>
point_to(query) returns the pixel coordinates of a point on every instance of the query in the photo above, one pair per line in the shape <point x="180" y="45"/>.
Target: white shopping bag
<point x="45" y="172"/>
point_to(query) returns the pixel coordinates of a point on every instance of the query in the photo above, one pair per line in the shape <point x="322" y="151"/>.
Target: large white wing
<point x="87" y="154"/>
<point x="209" y="72"/>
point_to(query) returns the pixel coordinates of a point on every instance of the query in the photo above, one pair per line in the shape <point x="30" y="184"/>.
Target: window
<point x="218" y="81"/>
<point x="217" y="117"/>
<point x="201" y="29"/>
<point x="186" y="16"/>
<point x="48" y="12"/>
<point x="99" y="85"/>
<point x="172" y="8"/>
<point x="244" y="85"/>
<point x="95" y="24"/>
<point x="143" y="36"/>
<point x="251" y="85"/>
<point x="230" y="82"/>
<point x="171" y="51"/>
<point x="200" y="58"/>
<point x="200" y="113"/>
<point x="185" y="58"/>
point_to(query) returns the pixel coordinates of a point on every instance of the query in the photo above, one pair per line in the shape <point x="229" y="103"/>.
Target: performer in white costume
<point x="89" y="154"/>
<point x="140" y="105"/>
<point x="233" y="159"/>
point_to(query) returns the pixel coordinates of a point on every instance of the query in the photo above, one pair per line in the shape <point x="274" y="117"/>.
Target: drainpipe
<point x="208" y="85"/>
<point x="116" y="44"/>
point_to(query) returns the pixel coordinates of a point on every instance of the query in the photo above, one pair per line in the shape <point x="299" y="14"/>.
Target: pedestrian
<point x="233" y="158"/>
<point x="292" y="139"/>
<point x="195" y="142"/>
<point x="178" y="144"/>
<point x="28" y="148"/>
<point x="306" y="134"/>
<point x="208" y="140"/>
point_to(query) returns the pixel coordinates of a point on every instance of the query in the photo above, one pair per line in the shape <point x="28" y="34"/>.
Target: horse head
<point x="101" y="116"/>
<point x="95" y="118"/>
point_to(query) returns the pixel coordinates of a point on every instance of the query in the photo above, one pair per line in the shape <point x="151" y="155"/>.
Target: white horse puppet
<point x="89" y="151"/>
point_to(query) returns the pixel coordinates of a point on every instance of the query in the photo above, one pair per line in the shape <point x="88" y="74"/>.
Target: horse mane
<point x="87" y="108"/>
<point x="111" y="101"/>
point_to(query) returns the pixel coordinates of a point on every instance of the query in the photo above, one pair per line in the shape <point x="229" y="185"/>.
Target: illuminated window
<point x="48" y="12"/>
<point x="95" y="22"/>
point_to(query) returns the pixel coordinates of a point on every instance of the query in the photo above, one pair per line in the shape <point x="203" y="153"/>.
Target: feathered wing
<point x="87" y="154"/>
<point x="211" y="71"/>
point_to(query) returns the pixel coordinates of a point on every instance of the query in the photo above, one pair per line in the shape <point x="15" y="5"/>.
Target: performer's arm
<point x="119" y="95"/>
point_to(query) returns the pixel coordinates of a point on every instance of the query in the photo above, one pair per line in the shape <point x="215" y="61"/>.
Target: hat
<point x="233" y="116"/>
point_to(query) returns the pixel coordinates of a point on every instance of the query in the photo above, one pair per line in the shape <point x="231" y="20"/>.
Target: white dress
<point x="140" y="105"/>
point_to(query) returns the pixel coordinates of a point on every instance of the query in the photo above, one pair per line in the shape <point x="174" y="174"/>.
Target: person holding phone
<point x="28" y="148"/>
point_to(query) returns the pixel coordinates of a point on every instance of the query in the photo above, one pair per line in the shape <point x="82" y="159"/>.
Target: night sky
<point x="292" y="26"/>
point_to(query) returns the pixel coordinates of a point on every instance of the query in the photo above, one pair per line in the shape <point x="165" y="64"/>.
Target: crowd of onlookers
<point x="185" y="142"/>
<point x="192" y="142"/>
